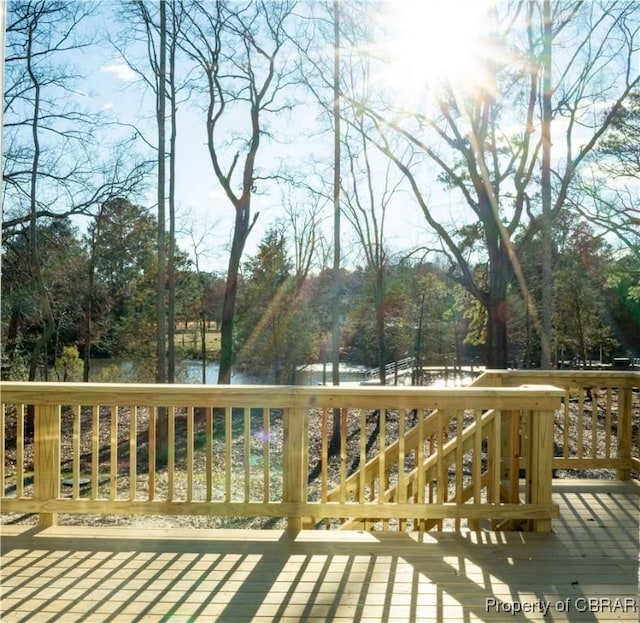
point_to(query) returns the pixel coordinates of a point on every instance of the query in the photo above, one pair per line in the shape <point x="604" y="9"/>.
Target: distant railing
<point x="392" y="369"/>
<point x="597" y="427"/>
<point x="248" y="451"/>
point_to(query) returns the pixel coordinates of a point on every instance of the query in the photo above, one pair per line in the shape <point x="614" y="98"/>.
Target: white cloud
<point x="120" y="70"/>
<point x="216" y="193"/>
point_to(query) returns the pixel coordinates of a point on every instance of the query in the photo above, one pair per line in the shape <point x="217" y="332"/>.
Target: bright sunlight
<point x="436" y="44"/>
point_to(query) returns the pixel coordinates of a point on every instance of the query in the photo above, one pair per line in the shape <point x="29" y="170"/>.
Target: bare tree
<point x="486" y="145"/>
<point x="368" y="191"/>
<point x="159" y="31"/>
<point x="337" y="243"/>
<point x="50" y="167"/>
<point x="304" y="222"/>
<point x="239" y="50"/>
<point x="199" y="251"/>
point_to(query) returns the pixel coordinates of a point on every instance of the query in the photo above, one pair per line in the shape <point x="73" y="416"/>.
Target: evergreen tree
<point x="276" y="332"/>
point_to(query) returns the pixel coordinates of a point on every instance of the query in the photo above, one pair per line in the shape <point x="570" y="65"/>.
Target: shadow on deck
<point x="589" y="564"/>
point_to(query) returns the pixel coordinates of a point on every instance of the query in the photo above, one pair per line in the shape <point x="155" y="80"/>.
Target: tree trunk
<point x="545" y="190"/>
<point x="161" y="335"/>
<point x="500" y="274"/>
<point x="34" y="251"/>
<point x="240" y="233"/>
<point x="379" y="304"/>
<point x="497" y="351"/>
<point x="335" y="322"/>
<point x="171" y="303"/>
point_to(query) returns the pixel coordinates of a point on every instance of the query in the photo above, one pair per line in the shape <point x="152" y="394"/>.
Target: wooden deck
<point x="588" y="564"/>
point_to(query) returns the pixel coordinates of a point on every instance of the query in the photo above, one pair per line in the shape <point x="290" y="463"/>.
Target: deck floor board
<point x="67" y="574"/>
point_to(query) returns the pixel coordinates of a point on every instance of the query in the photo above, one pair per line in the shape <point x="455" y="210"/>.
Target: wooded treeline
<point x="527" y="184"/>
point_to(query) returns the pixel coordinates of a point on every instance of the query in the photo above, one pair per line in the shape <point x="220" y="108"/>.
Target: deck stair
<point x="430" y="480"/>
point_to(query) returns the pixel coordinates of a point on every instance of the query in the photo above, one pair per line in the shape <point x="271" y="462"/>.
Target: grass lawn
<point x="189" y="339"/>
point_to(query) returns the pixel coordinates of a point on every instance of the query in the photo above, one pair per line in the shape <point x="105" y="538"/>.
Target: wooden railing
<point x="597" y="427"/>
<point x="596" y="430"/>
<point x="248" y="451"/>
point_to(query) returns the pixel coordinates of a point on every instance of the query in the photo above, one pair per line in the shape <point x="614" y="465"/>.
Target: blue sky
<point x="202" y="206"/>
<point x="110" y="86"/>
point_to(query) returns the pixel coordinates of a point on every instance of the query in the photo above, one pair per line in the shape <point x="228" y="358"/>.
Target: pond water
<point x="191" y="372"/>
<point x="314" y="374"/>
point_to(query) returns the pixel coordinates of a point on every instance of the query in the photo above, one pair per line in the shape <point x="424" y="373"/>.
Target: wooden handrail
<point x="230" y="428"/>
<point x="569" y="380"/>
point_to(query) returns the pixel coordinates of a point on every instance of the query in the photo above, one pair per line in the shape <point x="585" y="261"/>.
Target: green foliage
<point x="110" y="374"/>
<point x="276" y="332"/>
<point x="68" y="366"/>
<point x="16" y="368"/>
<point x="122" y="242"/>
<point x="63" y="264"/>
<point x="623" y="301"/>
<point x="580" y="295"/>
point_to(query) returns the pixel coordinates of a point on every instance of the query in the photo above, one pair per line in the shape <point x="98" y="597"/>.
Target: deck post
<point x="47" y="459"/>
<point x="540" y="463"/>
<point x="294" y="462"/>
<point x="510" y="456"/>
<point x="625" y="398"/>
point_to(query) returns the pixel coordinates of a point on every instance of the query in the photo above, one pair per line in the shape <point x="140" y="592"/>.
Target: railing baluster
<point x="152" y="445"/>
<point x="324" y="459"/>
<point x="580" y="422"/>
<point x="133" y="451"/>
<point x="343" y="455"/>
<point x="3" y="448"/>
<point x="363" y="455"/>
<point x="476" y="469"/>
<point x="607" y="425"/>
<point x="566" y="424"/>
<point x="227" y="453"/>
<point x="75" y="458"/>
<point x="420" y="463"/>
<point x="113" y="454"/>
<point x="382" y="472"/>
<point x="625" y="404"/>
<point x="190" y="462"/>
<point x="247" y="454"/>
<point x="95" y="450"/>
<point x="209" y="451"/>
<point x="440" y="478"/>
<point x="20" y="412"/>
<point x="171" y="452"/>
<point x="496" y="457"/>
<point x="401" y="486"/>
<point x="594" y="422"/>
<point x="266" y="466"/>
<point x="459" y="464"/>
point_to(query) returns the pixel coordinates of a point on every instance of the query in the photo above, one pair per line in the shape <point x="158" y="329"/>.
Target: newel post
<point x="540" y="463"/>
<point x="47" y="459"/>
<point x="625" y="399"/>
<point x="294" y="462"/>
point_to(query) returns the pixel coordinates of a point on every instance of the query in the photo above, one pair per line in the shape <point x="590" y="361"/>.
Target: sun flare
<point x="436" y="44"/>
